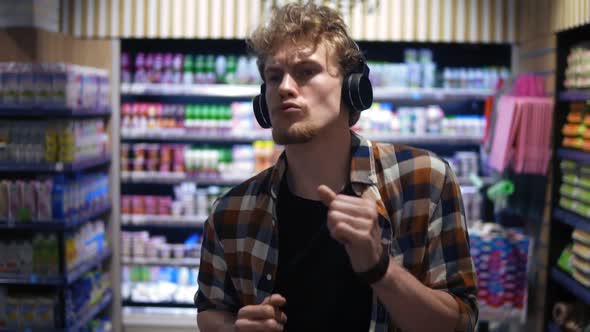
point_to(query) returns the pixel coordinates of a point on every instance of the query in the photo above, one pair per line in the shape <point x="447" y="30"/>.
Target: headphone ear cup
<point x="357" y="92"/>
<point x="261" y="109"/>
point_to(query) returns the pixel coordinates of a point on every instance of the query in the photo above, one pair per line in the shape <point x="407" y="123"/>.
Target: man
<point x="341" y="234"/>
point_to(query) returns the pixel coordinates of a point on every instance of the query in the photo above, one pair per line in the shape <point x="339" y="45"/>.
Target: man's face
<point x="303" y="88"/>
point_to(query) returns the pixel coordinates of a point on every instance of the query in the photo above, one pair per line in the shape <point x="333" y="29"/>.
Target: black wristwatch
<point x="377" y="272"/>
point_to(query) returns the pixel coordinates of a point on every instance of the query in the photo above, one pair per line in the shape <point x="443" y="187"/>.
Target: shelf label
<point x="59" y="166"/>
<point x="33" y="279"/>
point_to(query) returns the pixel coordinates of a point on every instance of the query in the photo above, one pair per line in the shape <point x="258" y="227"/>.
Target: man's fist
<point x="266" y="316"/>
<point x="353" y="221"/>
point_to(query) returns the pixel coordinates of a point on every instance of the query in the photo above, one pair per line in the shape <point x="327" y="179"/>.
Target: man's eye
<point x="305" y="72"/>
<point x="273" y="78"/>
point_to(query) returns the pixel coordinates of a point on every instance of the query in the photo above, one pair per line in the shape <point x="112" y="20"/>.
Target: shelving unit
<point x="58" y="285"/>
<point x="575" y="288"/>
<point x="19" y="111"/>
<point x="572" y="219"/>
<point x="86" y="317"/>
<point x="191" y="137"/>
<point x="561" y="286"/>
<point x="249" y="91"/>
<point x="65" y="279"/>
<point x="55" y="225"/>
<point x="575" y="155"/>
<point x="11" y="167"/>
<point x="188" y="262"/>
<point x="574" y="95"/>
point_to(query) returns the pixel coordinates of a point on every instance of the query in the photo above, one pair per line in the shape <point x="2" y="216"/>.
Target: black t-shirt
<point x="314" y="272"/>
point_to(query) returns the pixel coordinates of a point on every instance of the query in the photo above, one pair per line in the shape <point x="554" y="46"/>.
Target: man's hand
<point x="262" y="317"/>
<point x="352" y="221"/>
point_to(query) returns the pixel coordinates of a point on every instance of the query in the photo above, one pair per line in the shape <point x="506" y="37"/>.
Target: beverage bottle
<point x="157" y="69"/>
<point x="220" y="69"/>
<point x="210" y="69"/>
<point x="140" y="75"/>
<point x="188" y="76"/>
<point x="167" y="75"/>
<point x="149" y="67"/>
<point x="125" y="68"/>
<point x="230" y="77"/>
<point x="177" y="68"/>
<point x="200" y="77"/>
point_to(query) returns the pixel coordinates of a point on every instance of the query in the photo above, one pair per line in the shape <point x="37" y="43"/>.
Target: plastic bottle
<point x="200" y="77"/>
<point x="230" y="76"/>
<point x="220" y="69"/>
<point x="140" y="75"/>
<point x="188" y="76"/>
<point x="210" y="69"/>
<point x="177" y="68"/>
<point x="242" y="70"/>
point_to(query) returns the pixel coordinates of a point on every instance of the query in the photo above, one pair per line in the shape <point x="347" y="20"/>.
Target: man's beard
<point x="297" y="133"/>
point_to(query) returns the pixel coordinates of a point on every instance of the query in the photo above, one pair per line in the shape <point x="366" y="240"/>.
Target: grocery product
<point x="577" y="73"/>
<point x="54" y="85"/>
<point x="51" y="198"/>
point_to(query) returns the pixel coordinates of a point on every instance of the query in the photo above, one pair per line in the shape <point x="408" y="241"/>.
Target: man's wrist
<point x="378" y="271"/>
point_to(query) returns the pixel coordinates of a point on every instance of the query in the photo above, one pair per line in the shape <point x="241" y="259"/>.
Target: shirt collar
<point x="362" y="166"/>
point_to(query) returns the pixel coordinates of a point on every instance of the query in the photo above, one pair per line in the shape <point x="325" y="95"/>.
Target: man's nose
<point x="288" y="86"/>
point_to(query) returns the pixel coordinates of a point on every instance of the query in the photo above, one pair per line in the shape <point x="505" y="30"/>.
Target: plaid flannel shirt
<point x="420" y="212"/>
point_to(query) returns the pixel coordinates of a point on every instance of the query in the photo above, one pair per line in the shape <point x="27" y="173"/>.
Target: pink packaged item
<point x="29" y="201"/>
<point x="164" y="205"/>
<point x="43" y="191"/>
<point x="15" y="199"/>
<point x="4" y="201"/>
<point x="137" y="206"/>
<point x="150" y="205"/>
<point x="126" y="204"/>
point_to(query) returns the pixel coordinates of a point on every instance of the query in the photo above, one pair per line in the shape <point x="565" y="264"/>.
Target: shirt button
<point x="268" y="277"/>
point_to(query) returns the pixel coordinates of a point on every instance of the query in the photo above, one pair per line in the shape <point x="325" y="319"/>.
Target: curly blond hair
<point x="307" y="25"/>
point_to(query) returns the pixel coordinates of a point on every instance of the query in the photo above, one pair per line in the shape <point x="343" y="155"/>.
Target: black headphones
<point x="357" y="93"/>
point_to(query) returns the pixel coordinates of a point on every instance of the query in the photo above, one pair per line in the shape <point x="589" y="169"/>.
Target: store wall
<point x="488" y="21"/>
<point x="30" y="44"/>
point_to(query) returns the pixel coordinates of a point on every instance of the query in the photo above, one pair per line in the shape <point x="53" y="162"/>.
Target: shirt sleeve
<point x="216" y="290"/>
<point x="450" y="267"/>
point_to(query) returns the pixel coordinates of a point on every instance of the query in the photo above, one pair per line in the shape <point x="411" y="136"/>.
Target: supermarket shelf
<point x="249" y="91"/>
<point x="574" y="287"/>
<point x="184" y="135"/>
<point x="128" y="303"/>
<point x="552" y="327"/>
<point x="70" y="277"/>
<point x="42" y="111"/>
<point x="86" y="266"/>
<point x="164" y="221"/>
<point x="203" y="90"/>
<point x="572" y="219"/>
<point x="424" y="138"/>
<point x="92" y="312"/>
<point x="575" y="155"/>
<point x="575" y="95"/>
<point x="396" y="93"/>
<point x="165" y="318"/>
<point x="54" y="225"/>
<point x="174" y="178"/>
<point x="188" y="262"/>
<point x="54" y="167"/>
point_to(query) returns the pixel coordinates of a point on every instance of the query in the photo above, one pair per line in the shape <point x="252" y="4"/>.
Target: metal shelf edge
<point x="573" y="286"/>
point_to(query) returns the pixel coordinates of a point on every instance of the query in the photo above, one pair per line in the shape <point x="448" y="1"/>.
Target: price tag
<point x="33" y="279"/>
<point x="59" y="166"/>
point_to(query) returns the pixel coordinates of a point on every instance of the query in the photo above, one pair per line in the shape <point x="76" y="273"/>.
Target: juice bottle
<point x="188" y="76"/>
